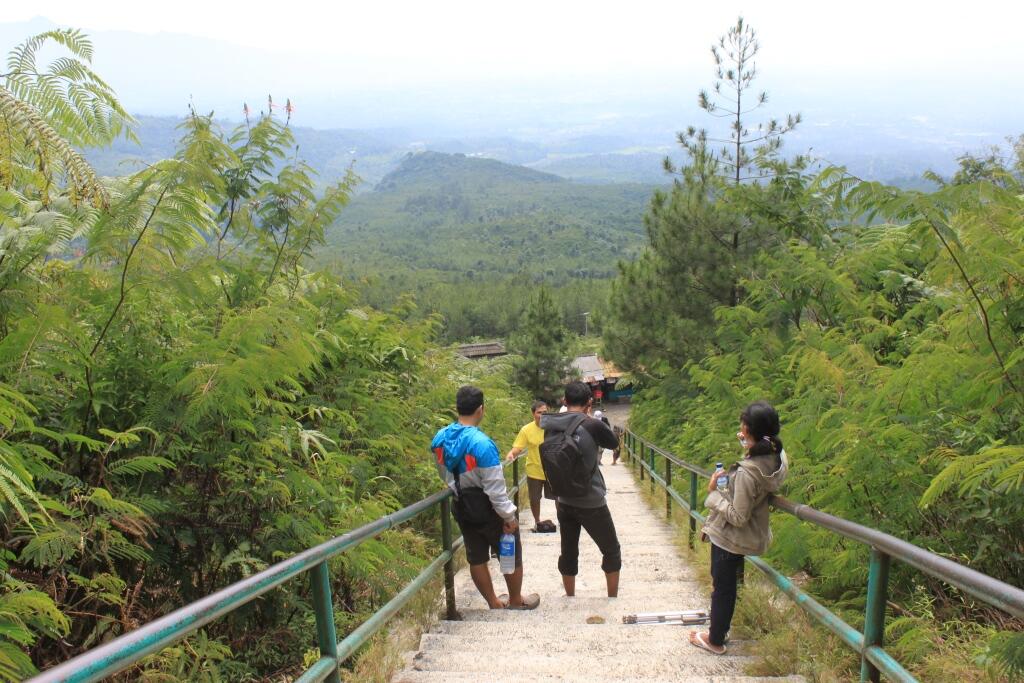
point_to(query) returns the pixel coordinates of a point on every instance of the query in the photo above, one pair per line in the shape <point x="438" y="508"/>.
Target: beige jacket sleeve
<point x="744" y="494"/>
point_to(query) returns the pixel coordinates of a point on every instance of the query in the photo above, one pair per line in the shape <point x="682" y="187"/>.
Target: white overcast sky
<point x="457" y="39"/>
<point x="523" y="66"/>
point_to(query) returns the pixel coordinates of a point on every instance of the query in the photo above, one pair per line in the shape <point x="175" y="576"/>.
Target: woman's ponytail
<point x="767" y="445"/>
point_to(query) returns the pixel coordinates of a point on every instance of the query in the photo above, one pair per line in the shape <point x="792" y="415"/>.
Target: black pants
<point x="724" y="568"/>
<point x="599" y="525"/>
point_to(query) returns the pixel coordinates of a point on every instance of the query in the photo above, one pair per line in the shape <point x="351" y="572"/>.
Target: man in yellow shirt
<point x="530" y="437"/>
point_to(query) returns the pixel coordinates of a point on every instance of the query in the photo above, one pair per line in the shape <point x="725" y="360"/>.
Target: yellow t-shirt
<point x="531" y="437"/>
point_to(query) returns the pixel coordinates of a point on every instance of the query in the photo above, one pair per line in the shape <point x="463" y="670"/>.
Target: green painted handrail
<point x="884" y="547"/>
<point x="126" y="651"/>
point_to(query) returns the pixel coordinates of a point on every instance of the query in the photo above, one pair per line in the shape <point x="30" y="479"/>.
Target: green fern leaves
<point x="49" y="112"/>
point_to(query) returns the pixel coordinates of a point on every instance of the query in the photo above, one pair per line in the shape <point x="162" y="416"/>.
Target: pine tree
<point x="542" y="345"/>
<point x="749" y="153"/>
<point x="746" y="154"/>
<point x="704" y="234"/>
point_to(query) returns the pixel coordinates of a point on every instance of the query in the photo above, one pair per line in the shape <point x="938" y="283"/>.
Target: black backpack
<point x="563" y="461"/>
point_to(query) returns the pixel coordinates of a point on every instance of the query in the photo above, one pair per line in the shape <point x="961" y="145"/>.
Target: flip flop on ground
<point x="703" y="641"/>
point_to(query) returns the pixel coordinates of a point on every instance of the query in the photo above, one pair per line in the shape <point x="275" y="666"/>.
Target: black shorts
<point x="537" y="488"/>
<point x="599" y="525"/>
<point x="482" y="541"/>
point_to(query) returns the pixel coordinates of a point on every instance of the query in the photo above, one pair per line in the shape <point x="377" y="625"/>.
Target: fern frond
<point x="28" y="128"/>
<point x="142" y="464"/>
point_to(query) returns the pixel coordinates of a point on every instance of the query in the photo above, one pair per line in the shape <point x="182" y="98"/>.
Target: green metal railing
<point x="874" y="659"/>
<point x="126" y="651"/>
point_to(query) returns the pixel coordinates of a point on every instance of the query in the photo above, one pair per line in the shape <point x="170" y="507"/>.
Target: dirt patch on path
<point x="618" y="413"/>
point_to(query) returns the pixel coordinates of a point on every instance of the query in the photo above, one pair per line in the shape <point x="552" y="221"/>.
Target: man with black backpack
<point x="469" y="462"/>
<point x="572" y="443"/>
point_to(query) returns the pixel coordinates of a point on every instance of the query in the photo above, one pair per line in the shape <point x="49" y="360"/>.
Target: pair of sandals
<point x="530" y="601"/>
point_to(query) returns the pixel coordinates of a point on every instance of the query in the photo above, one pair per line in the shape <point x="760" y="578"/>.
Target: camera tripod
<point x="684" y="618"/>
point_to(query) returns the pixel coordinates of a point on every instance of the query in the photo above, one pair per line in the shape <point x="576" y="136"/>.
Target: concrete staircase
<point x="582" y="639"/>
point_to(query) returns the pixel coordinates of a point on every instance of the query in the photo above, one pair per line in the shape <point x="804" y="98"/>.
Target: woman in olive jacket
<point x="737" y="521"/>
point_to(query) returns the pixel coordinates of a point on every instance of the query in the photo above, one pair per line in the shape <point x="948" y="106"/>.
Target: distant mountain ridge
<point x="374" y="153"/>
<point x="454" y="214"/>
<point x="432" y="168"/>
<point x="471" y="238"/>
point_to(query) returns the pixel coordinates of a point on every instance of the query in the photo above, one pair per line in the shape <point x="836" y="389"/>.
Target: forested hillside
<point x="887" y="326"/>
<point x="439" y="225"/>
<point x="183" y="401"/>
<point x="472" y="237"/>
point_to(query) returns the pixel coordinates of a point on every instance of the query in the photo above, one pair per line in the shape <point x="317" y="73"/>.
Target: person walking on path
<point x="599" y="415"/>
<point x="616" y="452"/>
<point x="737" y="521"/>
<point x="529" y="439"/>
<point x="589" y="511"/>
<point x="469" y="462"/>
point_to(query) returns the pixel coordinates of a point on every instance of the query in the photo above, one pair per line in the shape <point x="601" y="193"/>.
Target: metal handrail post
<point x="641" y="461"/>
<point x="650" y="467"/>
<point x="668" y="487"/>
<point x="693" y="506"/>
<point x="449" y="566"/>
<point x="874" y="612"/>
<point x="323" y="607"/>
<point x="515" y="483"/>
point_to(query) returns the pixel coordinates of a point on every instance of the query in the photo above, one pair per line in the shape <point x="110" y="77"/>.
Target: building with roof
<point x="602" y="376"/>
<point x="491" y="349"/>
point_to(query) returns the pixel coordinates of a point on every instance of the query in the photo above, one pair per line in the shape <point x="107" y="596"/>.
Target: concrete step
<point x="609" y="634"/>
<point x="647" y="598"/>
<point x="648" y="642"/>
<point x="690" y="661"/>
<point x="474" y="677"/>
<point x="580" y="608"/>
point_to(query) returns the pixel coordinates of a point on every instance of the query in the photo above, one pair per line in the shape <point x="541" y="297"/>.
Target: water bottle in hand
<point x="507" y="553"/>
<point x="723" y="478"/>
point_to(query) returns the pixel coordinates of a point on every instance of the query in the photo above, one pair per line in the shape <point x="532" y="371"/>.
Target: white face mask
<point x="743" y="442"/>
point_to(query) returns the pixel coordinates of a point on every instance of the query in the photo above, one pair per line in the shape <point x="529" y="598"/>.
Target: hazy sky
<point x="470" y="39"/>
<point x="933" y="76"/>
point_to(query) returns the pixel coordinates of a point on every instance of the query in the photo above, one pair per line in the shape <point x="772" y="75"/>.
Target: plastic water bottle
<point x="723" y="478"/>
<point x="507" y="553"/>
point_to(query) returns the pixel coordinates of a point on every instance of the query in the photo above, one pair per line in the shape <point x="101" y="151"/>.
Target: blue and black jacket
<point x="471" y="453"/>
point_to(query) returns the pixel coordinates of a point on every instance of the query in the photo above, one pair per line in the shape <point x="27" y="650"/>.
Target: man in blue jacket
<point x="469" y="462"/>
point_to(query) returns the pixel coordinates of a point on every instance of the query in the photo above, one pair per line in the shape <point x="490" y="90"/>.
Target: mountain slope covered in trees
<point x="455" y="229"/>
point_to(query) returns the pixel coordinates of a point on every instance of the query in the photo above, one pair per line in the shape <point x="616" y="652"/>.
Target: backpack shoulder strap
<point x="575" y="423"/>
<point x="455" y="473"/>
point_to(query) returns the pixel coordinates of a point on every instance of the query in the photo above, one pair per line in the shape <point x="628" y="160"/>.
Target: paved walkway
<point x="582" y="639"/>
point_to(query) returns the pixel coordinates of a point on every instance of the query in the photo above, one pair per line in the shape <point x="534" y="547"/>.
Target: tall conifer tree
<point x="542" y="345"/>
<point x="704" y="233"/>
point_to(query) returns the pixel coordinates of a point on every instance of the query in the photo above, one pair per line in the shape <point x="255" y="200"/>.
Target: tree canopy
<point x="183" y="400"/>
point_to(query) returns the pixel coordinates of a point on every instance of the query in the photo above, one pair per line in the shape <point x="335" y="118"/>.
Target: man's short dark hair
<point x="468" y="399"/>
<point x="577" y="394"/>
<point x="539" y="403"/>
